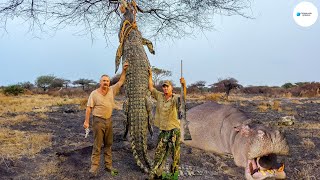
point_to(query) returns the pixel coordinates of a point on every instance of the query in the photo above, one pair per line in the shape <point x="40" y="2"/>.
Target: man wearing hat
<point x="166" y="119"/>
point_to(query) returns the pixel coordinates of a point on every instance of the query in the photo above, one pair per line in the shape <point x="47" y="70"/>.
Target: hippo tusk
<point x="281" y="168"/>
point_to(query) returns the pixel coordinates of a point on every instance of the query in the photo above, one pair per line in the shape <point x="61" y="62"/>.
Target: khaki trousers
<point x="102" y="132"/>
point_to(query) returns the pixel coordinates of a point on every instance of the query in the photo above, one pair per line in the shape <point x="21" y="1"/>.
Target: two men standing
<point x="101" y="103"/>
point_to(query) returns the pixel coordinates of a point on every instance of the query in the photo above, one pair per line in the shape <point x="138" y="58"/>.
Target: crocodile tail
<point x="133" y="139"/>
<point x="145" y="148"/>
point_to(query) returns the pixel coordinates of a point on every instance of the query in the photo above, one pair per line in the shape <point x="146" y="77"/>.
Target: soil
<point x="70" y="152"/>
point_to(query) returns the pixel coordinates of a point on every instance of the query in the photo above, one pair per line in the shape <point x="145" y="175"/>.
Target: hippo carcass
<point x="225" y="130"/>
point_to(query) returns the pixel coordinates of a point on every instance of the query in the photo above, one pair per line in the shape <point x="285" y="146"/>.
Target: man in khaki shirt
<point x="166" y="119"/>
<point x="101" y="104"/>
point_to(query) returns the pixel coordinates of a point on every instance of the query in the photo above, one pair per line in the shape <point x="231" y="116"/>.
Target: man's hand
<point x="150" y="79"/>
<point x="125" y="66"/>
<point x="150" y="72"/>
<point x="183" y="82"/>
<point x="86" y="124"/>
<point x="123" y="73"/>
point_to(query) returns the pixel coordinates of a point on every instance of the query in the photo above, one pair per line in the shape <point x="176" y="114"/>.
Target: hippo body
<point x="225" y="130"/>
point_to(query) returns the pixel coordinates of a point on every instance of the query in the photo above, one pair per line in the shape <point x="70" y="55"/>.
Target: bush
<point x="13" y="90"/>
<point x="215" y="97"/>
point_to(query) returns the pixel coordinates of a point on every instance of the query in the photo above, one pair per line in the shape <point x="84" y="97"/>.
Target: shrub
<point x="215" y="97"/>
<point x="13" y="90"/>
<point x="276" y="105"/>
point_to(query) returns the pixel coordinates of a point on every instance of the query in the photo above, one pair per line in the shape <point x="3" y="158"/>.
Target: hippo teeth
<point x="255" y="171"/>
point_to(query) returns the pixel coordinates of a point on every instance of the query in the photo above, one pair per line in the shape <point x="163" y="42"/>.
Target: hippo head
<point x="264" y="144"/>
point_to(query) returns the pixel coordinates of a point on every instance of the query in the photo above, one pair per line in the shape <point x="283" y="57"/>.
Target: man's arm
<point x="123" y="74"/>
<point x="150" y="80"/>
<point x="183" y="83"/>
<point x="86" y="121"/>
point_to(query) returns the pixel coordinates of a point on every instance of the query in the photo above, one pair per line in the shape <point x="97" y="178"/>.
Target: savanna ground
<point x="41" y="137"/>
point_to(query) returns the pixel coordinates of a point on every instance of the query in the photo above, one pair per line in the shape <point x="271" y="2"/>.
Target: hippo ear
<point x="244" y="130"/>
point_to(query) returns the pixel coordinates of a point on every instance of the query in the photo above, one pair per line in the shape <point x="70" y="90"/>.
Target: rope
<point x="125" y="30"/>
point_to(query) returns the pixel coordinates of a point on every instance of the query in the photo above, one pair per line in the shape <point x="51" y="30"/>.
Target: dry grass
<point x="263" y="107"/>
<point x="291" y="113"/>
<point x="47" y="168"/>
<point x="215" y="97"/>
<point x="304" y="173"/>
<point x="83" y="103"/>
<point x="236" y="97"/>
<point x="28" y="103"/>
<point x="20" y="118"/>
<point x="296" y="101"/>
<point x="309" y="126"/>
<point x="287" y="95"/>
<point x="15" y="144"/>
<point x="276" y="106"/>
<point x="308" y="143"/>
<point x="267" y="105"/>
<point x="195" y="96"/>
<point x="42" y="116"/>
<point x="15" y="120"/>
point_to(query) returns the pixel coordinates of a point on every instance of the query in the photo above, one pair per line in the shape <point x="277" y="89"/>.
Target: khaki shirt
<point x="166" y="117"/>
<point x="103" y="104"/>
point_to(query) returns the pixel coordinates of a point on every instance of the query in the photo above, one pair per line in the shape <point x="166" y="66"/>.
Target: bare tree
<point x="84" y="82"/>
<point x="225" y="85"/>
<point x="197" y="87"/>
<point x="115" y="79"/>
<point x="163" y="18"/>
<point x="158" y="75"/>
<point x="44" y="82"/>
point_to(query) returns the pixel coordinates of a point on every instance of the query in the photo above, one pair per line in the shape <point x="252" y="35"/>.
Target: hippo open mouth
<point x="265" y="167"/>
<point x="253" y="145"/>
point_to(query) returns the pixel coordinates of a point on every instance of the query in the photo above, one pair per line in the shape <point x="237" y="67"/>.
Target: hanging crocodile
<point x="137" y="108"/>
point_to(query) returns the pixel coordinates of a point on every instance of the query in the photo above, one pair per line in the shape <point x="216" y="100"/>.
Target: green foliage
<point x="59" y="82"/>
<point x="26" y="85"/>
<point x="170" y="176"/>
<point x="13" y="90"/>
<point x="301" y="83"/>
<point x="287" y="85"/>
<point x="44" y="81"/>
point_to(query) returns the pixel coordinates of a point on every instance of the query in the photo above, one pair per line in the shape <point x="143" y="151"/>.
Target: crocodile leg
<point x="149" y="45"/>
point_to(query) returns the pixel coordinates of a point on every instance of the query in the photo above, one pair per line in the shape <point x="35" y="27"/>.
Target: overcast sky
<point x="270" y="49"/>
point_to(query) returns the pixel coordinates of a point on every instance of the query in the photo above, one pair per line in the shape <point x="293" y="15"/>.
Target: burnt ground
<point x="69" y="155"/>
